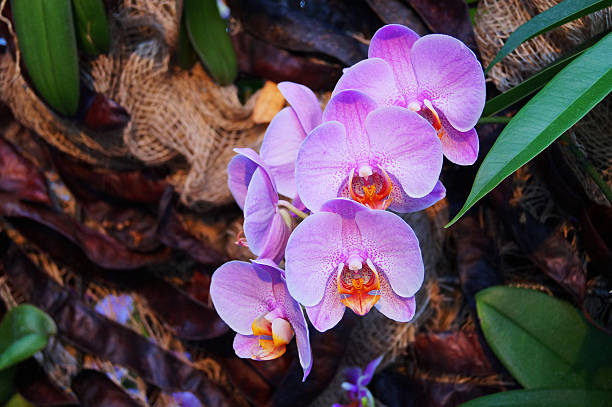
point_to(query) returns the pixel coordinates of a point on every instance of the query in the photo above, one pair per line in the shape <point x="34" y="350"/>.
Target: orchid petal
<point x="406" y="145"/>
<point x="323" y="164"/>
<point x="393" y="43"/>
<point x="351" y="107"/>
<point x="327" y="313"/>
<point x="393" y="248"/>
<point x="246" y="346"/>
<point x="402" y="203"/>
<point x="294" y="314"/>
<point x="304" y="102"/>
<point x="312" y="254"/>
<point x="373" y="77"/>
<point x="450" y="76"/>
<point x="368" y="372"/>
<point x="353" y="374"/>
<point x="239" y="173"/>
<point x="280" y="147"/>
<point x="459" y="147"/>
<point x="393" y="306"/>
<point x="240" y="293"/>
<point x="264" y="228"/>
<point x="347" y="209"/>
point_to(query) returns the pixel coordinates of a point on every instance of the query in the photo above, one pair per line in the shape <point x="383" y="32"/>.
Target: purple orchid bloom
<point x="381" y="157"/>
<point x="349" y="255"/>
<point x="117" y="307"/>
<point x="265" y="223"/>
<point x="356" y="383"/>
<point x="184" y="399"/>
<point x="252" y="298"/>
<point x="435" y="75"/>
<point x="286" y="133"/>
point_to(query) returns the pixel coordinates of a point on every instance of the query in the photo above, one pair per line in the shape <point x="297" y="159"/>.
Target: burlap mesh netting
<point x="494" y="22"/>
<point x="179" y="118"/>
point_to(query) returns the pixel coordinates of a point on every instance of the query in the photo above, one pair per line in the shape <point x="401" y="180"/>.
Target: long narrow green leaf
<point x="544" y="398"/>
<point x="570" y="95"/>
<point x="527" y="87"/>
<point x="186" y="55"/>
<point x="210" y="40"/>
<point x="91" y="26"/>
<point x="560" y="14"/>
<point x="47" y="42"/>
<point x="542" y="341"/>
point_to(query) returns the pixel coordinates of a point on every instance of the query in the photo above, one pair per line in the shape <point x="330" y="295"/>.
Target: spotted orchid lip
<point x="358" y="287"/>
<point x="374" y="196"/>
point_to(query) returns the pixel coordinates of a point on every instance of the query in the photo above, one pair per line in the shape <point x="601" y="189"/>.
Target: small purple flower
<point x="184" y="399"/>
<point x="349" y="255"/>
<point x="356" y="383"/>
<point x="286" y="133"/>
<point x="381" y="157"/>
<point x="116" y="307"/>
<point x="254" y="189"/>
<point x="435" y="75"/>
<point x="252" y="298"/>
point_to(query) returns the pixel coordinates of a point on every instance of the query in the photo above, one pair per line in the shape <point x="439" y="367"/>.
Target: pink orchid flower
<point x="347" y="255"/>
<point x="252" y="298"/>
<point x="265" y="223"/>
<point x="381" y="157"/>
<point x="435" y="75"/>
<point x="286" y="133"/>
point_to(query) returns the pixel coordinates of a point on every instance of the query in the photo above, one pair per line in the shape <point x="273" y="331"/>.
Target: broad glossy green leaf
<point x="6" y="384"/>
<point x="24" y="331"/>
<point x="544" y="398"/>
<point x="91" y="26"/>
<point x="22" y="349"/>
<point x="543" y="341"/>
<point x="556" y="16"/>
<point x="570" y="95"/>
<point x="210" y="40"/>
<point x="47" y="42"/>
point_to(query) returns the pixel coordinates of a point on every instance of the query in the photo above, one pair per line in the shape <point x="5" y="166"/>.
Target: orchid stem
<point x="590" y="169"/>
<point x="293" y="209"/>
<point x="496" y="119"/>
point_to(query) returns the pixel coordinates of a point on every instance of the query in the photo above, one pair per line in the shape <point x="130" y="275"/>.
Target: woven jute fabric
<point x="179" y="118"/>
<point x="495" y="21"/>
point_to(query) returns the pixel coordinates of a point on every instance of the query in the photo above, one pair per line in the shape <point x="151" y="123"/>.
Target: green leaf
<point x="527" y="87"/>
<point x="18" y="401"/>
<point x="47" y="42"/>
<point x="210" y="40"/>
<point x="186" y="55"/>
<point x="24" y="331"/>
<point x="6" y="384"/>
<point x="560" y="14"/>
<point x="543" y="341"/>
<point x="570" y="95"/>
<point x="22" y="349"/>
<point x="91" y="26"/>
<point x="544" y="398"/>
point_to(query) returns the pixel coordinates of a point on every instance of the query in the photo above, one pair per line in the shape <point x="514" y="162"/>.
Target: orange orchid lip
<point x="376" y="189"/>
<point x="273" y="336"/>
<point x="358" y="286"/>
